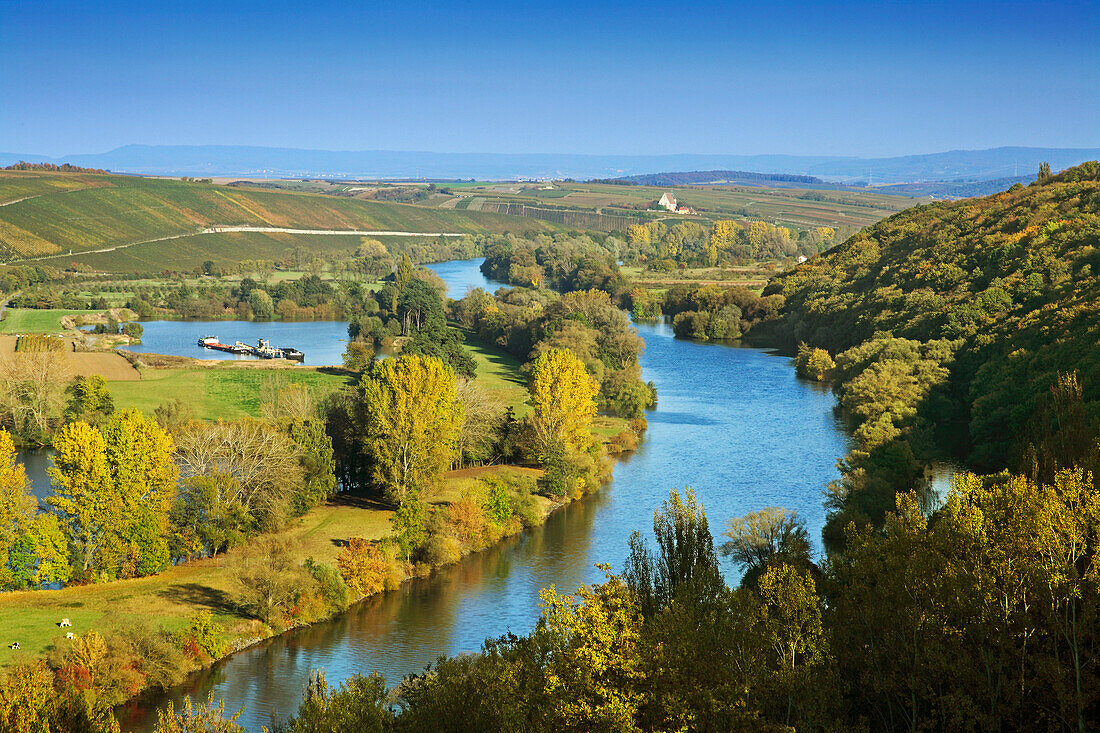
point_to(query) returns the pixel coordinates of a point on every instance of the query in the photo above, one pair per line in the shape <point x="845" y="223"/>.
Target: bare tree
<point x="483" y="417"/>
<point x="263" y="460"/>
<point x="269" y="577"/>
<point x="32" y="390"/>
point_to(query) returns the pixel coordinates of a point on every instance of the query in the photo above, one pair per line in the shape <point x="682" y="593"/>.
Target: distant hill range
<point x="956" y="166"/>
<point x="932" y="189"/>
<point x="694" y="178"/>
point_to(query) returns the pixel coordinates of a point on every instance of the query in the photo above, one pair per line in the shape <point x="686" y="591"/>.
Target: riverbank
<point x="172" y="599"/>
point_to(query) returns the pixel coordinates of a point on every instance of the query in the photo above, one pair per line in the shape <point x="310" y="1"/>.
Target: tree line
<point x="982" y="614"/>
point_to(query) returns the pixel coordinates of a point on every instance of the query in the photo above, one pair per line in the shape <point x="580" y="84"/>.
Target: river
<point x="734" y="423"/>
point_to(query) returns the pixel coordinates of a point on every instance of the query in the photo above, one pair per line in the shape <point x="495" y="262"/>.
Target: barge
<point x="211" y="342"/>
<point x="263" y="349"/>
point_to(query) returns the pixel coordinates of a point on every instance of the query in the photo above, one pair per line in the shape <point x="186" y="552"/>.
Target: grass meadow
<point x="30" y="320"/>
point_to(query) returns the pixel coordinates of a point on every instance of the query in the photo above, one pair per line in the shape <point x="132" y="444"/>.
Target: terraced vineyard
<point x="44" y="214"/>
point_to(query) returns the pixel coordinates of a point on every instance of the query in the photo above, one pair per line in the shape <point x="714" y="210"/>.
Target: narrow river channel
<point x="733" y="423"/>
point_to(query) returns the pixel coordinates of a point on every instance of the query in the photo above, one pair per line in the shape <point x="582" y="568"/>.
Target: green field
<point x="28" y="320"/>
<point x="224" y="391"/>
<point x="54" y="213"/>
<point x="499" y="373"/>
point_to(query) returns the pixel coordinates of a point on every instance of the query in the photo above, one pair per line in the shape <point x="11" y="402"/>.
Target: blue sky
<point x="837" y="78"/>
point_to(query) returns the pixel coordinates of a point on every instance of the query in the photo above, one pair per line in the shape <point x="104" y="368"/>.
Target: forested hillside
<point x="45" y="213"/>
<point x="970" y="327"/>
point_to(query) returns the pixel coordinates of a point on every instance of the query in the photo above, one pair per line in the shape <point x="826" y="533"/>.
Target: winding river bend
<point x="733" y="423"/>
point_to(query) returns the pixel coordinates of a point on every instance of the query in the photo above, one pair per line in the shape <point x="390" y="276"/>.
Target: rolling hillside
<point x="1005" y="290"/>
<point x="44" y="214"/>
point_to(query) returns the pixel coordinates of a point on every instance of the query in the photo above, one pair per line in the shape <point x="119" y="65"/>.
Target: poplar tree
<point x="113" y="488"/>
<point x="563" y="397"/>
<point x="409" y="421"/>
<point x="16" y="505"/>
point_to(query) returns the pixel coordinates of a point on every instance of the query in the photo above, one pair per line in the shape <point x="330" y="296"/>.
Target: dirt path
<point x="329" y="232"/>
<point x="9" y="203"/>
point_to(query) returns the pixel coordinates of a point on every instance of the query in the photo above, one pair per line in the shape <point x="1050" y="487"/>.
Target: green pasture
<point x="226" y="392"/>
<point x="31" y="320"/>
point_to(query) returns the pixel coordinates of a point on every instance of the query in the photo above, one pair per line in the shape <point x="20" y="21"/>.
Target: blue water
<point x="323" y="342"/>
<point x="733" y="423"/>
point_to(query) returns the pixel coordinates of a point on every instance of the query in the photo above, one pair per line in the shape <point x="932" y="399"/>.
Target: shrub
<point x="466" y="520"/>
<point x="813" y="363"/>
<point x="363" y="566"/>
<point x="269" y="578"/>
<point x="528" y="511"/>
<point x="331" y="586"/>
<point x="158" y="651"/>
<point x="202" y="635"/>
<point x="133" y="330"/>
<point x="442" y="549"/>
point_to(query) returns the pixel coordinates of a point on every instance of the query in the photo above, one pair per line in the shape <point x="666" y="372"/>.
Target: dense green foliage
<point x="526" y="323"/>
<point x="949" y="324"/>
<point x="407" y="313"/>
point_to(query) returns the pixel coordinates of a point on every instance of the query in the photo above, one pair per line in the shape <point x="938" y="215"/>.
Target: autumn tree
<point x="362" y="566"/>
<point x="790" y="626"/>
<point x="409" y="420"/>
<point x="89" y="400"/>
<point x="32" y="390"/>
<point x="594" y="665"/>
<point x="359" y="705"/>
<point x="263" y="460"/>
<point x="17" y="506"/>
<point x="201" y="717"/>
<point x="269" y="577"/>
<point x="759" y="539"/>
<point x="563" y="401"/>
<point x="371" y="259"/>
<point x="113" y="488"/>
<point x="483" y="418"/>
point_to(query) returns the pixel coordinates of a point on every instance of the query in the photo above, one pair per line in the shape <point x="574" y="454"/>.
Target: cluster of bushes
<point x="725" y="242"/>
<point x="565" y="263"/>
<point x="813" y="363"/>
<point x="18" y="277"/>
<point x="527" y="323"/>
<point x="112" y="327"/>
<point x="486" y="509"/>
<point x="407" y="313"/>
<point x="562" y="262"/>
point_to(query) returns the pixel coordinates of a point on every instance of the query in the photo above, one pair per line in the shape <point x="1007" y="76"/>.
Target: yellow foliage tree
<point x="410" y="423"/>
<point x="724" y="235"/>
<point x="594" y="669"/>
<point x="563" y="396"/>
<point x="638" y="234"/>
<point x="113" y="488"/>
<point x="363" y="566"/>
<point x="83" y="492"/>
<point x="16" y="504"/>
